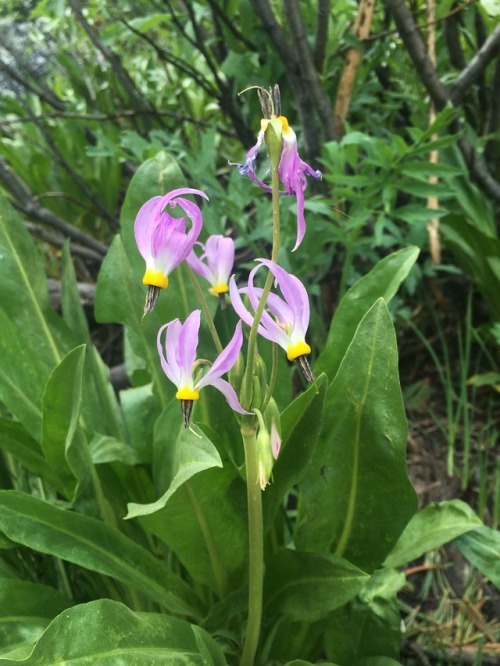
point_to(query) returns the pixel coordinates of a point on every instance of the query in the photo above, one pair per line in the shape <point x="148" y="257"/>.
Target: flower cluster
<point x="165" y="241"/>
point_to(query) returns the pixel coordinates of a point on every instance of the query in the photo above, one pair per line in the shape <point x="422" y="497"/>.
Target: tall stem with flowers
<point x="165" y="242"/>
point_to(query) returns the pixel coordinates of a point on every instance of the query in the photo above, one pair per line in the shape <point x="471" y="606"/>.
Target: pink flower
<point x="215" y="262"/>
<point x="178" y="360"/>
<point x="285" y="320"/>
<point x="163" y="240"/>
<point x="292" y="170"/>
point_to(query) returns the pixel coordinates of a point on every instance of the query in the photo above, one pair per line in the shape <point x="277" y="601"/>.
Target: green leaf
<point x="307" y="586"/>
<point x="16" y="441"/>
<point x="100" y="402"/>
<point x="482" y="548"/>
<point x="382" y="281"/>
<point x="301" y="424"/>
<point x="205" y="525"/>
<point x="34" y="336"/>
<point x="478" y="254"/>
<point x="23" y="289"/>
<point x="25" y="610"/>
<point x="191" y="452"/>
<point x="93" y="545"/>
<point x="356" y="497"/>
<point x="370" y="624"/>
<point x="106" y="632"/>
<point x="61" y="412"/>
<point x="430" y="528"/>
<point x="301" y="662"/>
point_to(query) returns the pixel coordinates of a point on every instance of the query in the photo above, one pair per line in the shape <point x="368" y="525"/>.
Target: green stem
<point x="249" y="432"/>
<point x="246" y="397"/>
<point x="256" y="546"/>
<point x="204" y="306"/>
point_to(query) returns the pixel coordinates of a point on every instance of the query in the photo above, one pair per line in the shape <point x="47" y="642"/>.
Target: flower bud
<point x="265" y="459"/>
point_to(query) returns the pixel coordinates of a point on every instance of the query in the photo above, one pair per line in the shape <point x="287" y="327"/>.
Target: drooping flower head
<point x="285" y="320"/>
<point x="215" y="263"/>
<point x="163" y="240"/>
<point x="178" y="360"/>
<point x="292" y="170"/>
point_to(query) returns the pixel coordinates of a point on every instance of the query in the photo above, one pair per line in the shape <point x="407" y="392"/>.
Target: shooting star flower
<point x="163" y="240"/>
<point x="179" y="363"/>
<point x="215" y="264"/>
<point x="285" y="320"/>
<point x="292" y="170"/>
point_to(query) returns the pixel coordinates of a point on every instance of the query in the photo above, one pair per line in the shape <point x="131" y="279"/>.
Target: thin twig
<point x="26" y="203"/>
<point x="489" y="50"/>
<point x="439" y="94"/>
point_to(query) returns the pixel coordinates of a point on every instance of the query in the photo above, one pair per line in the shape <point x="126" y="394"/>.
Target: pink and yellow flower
<point x="215" y="262"/>
<point x="285" y="320"/>
<point x="163" y="240"/>
<point x="179" y="363"/>
<point x="292" y="170"/>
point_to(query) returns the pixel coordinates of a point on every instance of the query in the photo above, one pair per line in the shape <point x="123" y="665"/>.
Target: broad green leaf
<point x="356" y="497"/>
<point x="34" y="336"/>
<point x="205" y="524"/>
<point x="190" y="452"/>
<point x="61" y="412"/>
<point x="430" y="528"/>
<point x="100" y="402"/>
<point x="16" y="441"/>
<point x="301" y="662"/>
<point x="92" y="544"/>
<point x="25" y="610"/>
<point x="482" y="548"/>
<point x="381" y="282"/>
<point x="307" y="586"/>
<point x="23" y="289"/>
<point x="105" y="449"/>
<point x="140" y="411"/>
<point x="301" y="424"/>
<point x="22" y="377"/>
<point x="370" y="624"/>
<point x="107" y="633"/>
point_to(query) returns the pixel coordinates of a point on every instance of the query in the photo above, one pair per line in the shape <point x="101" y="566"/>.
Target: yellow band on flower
<point x="219" y="288"/>
<point x="187" y="393"/>
<point x="284" y="123"/>
<point x="298" y="349"/>
<point x="155" y="279"/>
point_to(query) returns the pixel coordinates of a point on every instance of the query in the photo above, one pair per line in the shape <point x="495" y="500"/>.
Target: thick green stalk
<point x="256" y="544"/>
<point x="249" y="430"/>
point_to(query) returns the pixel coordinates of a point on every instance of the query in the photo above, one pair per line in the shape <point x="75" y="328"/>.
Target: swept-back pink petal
<point x="188" y="342"/>
<point x="294" y="292"/>
<point x="168" y="361"/>
<point x="230" y="394"/>
<point x="144" y="225"/>
<point x="226" y="359"/>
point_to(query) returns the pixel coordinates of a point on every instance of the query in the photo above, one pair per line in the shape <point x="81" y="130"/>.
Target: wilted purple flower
<point x="163" y="240"/>
<point x="178" y="360"/>
<point x="292" y="170"/>
<point x="215" y="263"/>
<point x="285" y="320"/>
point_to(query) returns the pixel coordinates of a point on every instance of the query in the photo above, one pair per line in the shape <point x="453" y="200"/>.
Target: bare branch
<point x="289" y="56"/>
<point x="437" y="91"/>
<point x="309" y="73"/>
<point x="25" y="202"/>
<point x="489" y="50"/>
<point x="321" y="37"/>
<point x="136" y="98"/>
